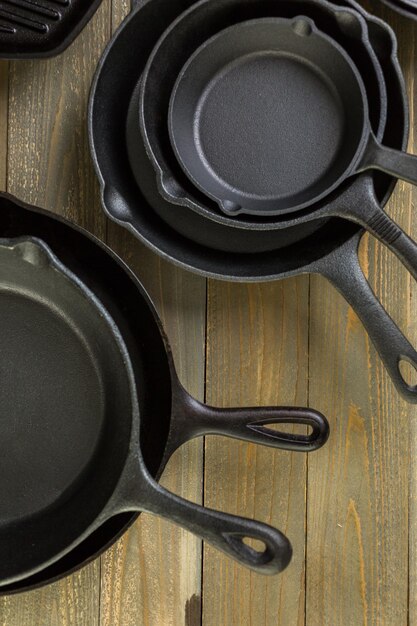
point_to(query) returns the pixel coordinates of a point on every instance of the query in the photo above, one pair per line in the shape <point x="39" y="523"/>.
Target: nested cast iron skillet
<point x="201" y="26"/>
<point x="221" y="232"/>
<point x="332" y="250"/>
<point x="70" y="445"/>
<point x="149" y="114"/>
<point x="220" y="109"/>
<point x="41" y="28"/>
<point x="254" y="151"/>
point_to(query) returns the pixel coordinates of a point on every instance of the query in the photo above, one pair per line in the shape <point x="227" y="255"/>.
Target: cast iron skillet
<point x="254" y="151"/>
<point x="117" y="288"/>
<point x="70" y="451"/>
<point x="149" y="116"/>
<point x="331" y="251"/>
<point x="220" y="232"/>
<point x="41" y="28"/>
<point x="70" y="396"/>
<point x="201" y="24"/>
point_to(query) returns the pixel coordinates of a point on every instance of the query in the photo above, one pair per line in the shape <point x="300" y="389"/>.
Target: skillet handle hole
<point x="408" y="372"/>
<point x="255" y="544"/>
<point x="289" y="428"/>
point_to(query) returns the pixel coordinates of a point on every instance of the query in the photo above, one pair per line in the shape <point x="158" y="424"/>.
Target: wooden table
<point x="350" y="510"/>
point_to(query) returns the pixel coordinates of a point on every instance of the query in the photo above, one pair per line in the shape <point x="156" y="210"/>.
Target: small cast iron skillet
<point x="204" y="18"/>
<point x="192" y="29"/>
<point x="269" y="116"/>
<point x="41" y="28"/>
<point x="70" y="452"/>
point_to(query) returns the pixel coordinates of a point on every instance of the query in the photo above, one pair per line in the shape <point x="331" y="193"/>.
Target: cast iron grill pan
<point x="41" y="28"/>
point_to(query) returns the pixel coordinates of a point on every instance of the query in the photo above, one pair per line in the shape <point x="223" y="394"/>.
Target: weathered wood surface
<point x="350" y="509"/>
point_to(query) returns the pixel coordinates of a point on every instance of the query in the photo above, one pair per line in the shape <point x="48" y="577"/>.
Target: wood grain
<point x="257" y="354"/>
<point x="358" y="519"/>
<point x="4" y="96"/>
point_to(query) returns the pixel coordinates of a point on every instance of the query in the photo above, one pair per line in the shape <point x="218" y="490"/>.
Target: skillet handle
<point x="345" y="273"/>
<point x="372" y="216"/>
<point x="193" y="419"/>
<point x="394" y="162"/>
<point x="223" y="531"/>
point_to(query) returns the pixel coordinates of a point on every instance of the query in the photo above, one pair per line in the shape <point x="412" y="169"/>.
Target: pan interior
<point x="52" y="404"/>
<point x="51" y="389"/>
<point x="269" y="92"/>
<point x="267" y="116"/>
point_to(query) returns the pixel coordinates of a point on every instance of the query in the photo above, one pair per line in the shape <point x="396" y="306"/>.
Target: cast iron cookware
<point x="167" y="58"/>
<point x="193" y="28"/>
<point x="41" y="28"/>
<point x="117" y="289"/>
<point x="263" y="126"/>
<point x="332" y="250"/>
<point x="70" y="450"/>
<point x="298" y="148"/>
<point x="271" y="115"/>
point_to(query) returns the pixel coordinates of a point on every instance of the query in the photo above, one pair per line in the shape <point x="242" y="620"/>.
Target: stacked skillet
<point x="246" y="140"/>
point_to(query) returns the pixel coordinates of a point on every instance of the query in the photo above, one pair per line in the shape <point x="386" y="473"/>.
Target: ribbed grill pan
<point x="39" y="28"/>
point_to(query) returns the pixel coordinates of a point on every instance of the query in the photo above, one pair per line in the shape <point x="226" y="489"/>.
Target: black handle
<point x="344" y="271"/>
<point x="223" y="531"/>
<point x="369" y="214"/>
<point x="193" y="419"/>
<point x="394" y="162"/>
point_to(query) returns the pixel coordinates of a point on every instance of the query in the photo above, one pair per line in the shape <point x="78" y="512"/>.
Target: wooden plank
<point x="407" y="34"/>
<point x="49" y="159"/>
<point x="357" y="523"/>
<point x="49" y="165"/>
<point x="153" y="575"/>
<point x="4" y="93"/>
<point x="257" y="354"/>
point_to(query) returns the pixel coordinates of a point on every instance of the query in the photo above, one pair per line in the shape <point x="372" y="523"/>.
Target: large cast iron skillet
<point x="331" y="251"/>
<point x="70" y="448"/>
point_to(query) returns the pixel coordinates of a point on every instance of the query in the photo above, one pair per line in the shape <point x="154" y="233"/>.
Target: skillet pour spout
<point x="73" y="429"/>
